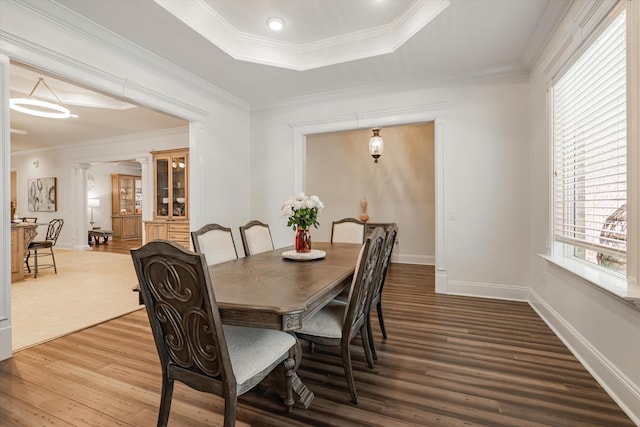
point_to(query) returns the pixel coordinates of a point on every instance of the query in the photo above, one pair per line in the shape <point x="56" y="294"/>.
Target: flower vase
<point x="303" y="240"/>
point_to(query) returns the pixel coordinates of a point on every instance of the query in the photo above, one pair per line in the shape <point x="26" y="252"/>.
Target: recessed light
<point x="275" y="23"/>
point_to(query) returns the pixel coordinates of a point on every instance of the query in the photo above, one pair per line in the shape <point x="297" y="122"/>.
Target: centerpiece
<point x="302" y="212"/>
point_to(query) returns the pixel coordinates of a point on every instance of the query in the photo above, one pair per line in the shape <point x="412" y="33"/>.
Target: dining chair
<point x="215" y="242"/>
<point x="391" y="233"/>
<point x="29" y="219"/>
<point x="38" y="246"/>
<point x="256" y="238"/>
<point x="194" y="346"/>
<point x="338" y="323"/>
<point x="348" y="230"/>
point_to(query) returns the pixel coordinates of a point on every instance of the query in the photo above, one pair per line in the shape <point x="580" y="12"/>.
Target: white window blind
<point x="590" y="153"/>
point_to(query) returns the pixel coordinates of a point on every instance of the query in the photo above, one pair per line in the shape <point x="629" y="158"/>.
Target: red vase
<point x="303" y="240"/>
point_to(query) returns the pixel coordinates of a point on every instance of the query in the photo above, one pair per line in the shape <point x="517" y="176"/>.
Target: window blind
<point x="590" y="146"/>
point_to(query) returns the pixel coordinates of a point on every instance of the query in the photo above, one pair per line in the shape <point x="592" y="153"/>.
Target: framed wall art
<point x="42" y="195"/>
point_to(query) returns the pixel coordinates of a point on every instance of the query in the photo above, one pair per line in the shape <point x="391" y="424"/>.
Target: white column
<point x="5" y="232"/>
<point x="80" y="239"/>
<point x="146" y="174"/>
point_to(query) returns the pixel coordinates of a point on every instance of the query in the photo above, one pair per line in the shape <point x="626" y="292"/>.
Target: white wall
<point x="484" y="169"/>
<point x="600" y="329"/>
<point x="399" y="188"/>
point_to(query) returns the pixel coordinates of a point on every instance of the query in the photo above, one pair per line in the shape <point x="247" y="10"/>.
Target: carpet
<point x="90" y="288"/>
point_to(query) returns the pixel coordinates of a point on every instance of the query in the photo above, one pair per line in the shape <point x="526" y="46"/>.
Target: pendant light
<point x="38" y="107"/>
<point x="376" y="145"/>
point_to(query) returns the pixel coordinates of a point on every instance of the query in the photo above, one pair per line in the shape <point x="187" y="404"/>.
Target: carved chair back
<point x="176" y="289"/>
<point x="363" y="284"/>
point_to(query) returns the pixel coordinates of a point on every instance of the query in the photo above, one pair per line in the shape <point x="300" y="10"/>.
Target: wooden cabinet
<point x="17" y="253"/>
<point x="126" y="206"/>
<point x="171" y="197"/>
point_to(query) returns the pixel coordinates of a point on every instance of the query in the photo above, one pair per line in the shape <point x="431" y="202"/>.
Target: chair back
<point x="347" y="230"/>
<point x="215" y="242"/>
<point x="256" y="238"/>
<point x="176" y="289"/>
<point x="53" y="230"/>
<point x="363" y="283"/>
<point x="30" y="219"/>
<point x="385" y="259"/>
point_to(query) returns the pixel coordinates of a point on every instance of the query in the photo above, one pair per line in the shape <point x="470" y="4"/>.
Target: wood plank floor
<point x="452" y="361"/>
<point x="117" y="246"/>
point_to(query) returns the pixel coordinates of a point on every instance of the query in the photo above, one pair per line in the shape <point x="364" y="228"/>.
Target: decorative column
<point x="81" y="226"/>
<point x="146" y="174"/>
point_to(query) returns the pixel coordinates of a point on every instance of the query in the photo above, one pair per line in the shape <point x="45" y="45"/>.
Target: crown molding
<point x="203" y="19"/>
<point x="506" y="71"/>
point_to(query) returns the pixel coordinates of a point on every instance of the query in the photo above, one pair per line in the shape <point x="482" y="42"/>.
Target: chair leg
<point x="348" y="372"/>
<point x="370" y="334"/>
<point x="165" y="401"/>
<point x="53" y="258"/>
<point x="230" y="409"/>
<point x="27" y="261"/>
<point x="35" y="264"/>
<point x="366" y="345"/>
<point x="381" y="319"/>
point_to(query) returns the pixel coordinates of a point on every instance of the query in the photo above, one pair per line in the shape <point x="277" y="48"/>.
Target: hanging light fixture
<point x="38" y="107"/>
<point x="376" y="145"/>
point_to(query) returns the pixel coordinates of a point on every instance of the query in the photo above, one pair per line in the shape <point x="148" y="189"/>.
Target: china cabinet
<point x="171" y="197"/>
<point x="126" y="206"/>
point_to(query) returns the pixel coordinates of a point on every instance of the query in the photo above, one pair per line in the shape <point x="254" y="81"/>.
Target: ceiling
<point x="326" y="46"/>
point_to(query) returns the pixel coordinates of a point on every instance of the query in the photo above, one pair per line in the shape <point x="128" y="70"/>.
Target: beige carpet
<point x="90" y="288"/>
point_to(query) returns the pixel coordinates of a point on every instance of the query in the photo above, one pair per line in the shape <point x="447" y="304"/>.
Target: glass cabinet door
<point x="162" y="188"/>
<point x="171" y="186"/>
<point x="138" y="186"/>
<point x="127" y="195"/>
<point x="179" y="186"/>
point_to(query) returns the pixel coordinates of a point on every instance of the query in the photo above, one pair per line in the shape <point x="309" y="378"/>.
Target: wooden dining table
<point x="269" y="291"/>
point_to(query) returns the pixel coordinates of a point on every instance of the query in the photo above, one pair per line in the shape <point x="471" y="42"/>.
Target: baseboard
<point x="5" y="342"/>
<point x="623" y="391"/>
<point x="488" y="290"/>
<point x="414" y="259"/>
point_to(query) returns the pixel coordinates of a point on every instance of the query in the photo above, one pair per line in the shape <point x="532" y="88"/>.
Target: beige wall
<point x="399" y="188"/>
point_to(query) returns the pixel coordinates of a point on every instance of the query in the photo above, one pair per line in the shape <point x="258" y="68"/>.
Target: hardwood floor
<point x="449" y="360"/>
<point x="117" y="246"/>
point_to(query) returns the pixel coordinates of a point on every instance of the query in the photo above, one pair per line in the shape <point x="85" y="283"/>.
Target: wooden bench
<point x="97" y="234"/>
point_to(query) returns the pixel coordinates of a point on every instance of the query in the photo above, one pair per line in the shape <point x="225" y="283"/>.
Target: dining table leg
<point x="302" y="395"/>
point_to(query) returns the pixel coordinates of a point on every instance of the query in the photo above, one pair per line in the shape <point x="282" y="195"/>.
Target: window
<point x="590" y="152"/>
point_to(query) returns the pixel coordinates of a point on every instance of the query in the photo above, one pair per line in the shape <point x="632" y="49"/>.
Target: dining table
<point x="270" y="290"/>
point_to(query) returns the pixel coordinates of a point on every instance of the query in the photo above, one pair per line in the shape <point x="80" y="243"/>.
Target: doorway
<point x="41" y="147"/>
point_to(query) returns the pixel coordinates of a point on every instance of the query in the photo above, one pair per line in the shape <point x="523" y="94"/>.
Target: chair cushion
<point x="251" y="350"/>
<point x="327" y="322"/>
<point x="41" y="244"/>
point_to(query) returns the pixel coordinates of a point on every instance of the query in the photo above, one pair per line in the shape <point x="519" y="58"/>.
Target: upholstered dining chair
<point x="338" y="323"/>
<point x="348" y="230"/>
<point x="194" y="346"/>
<point x="215" y="242"/>
<point x="256" y="238"/>
<point x="44" y="248"/>
<point x="391" y="233"/>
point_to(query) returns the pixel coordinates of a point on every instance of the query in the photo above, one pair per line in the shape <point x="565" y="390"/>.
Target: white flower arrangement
<point x="302" y="211"/>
